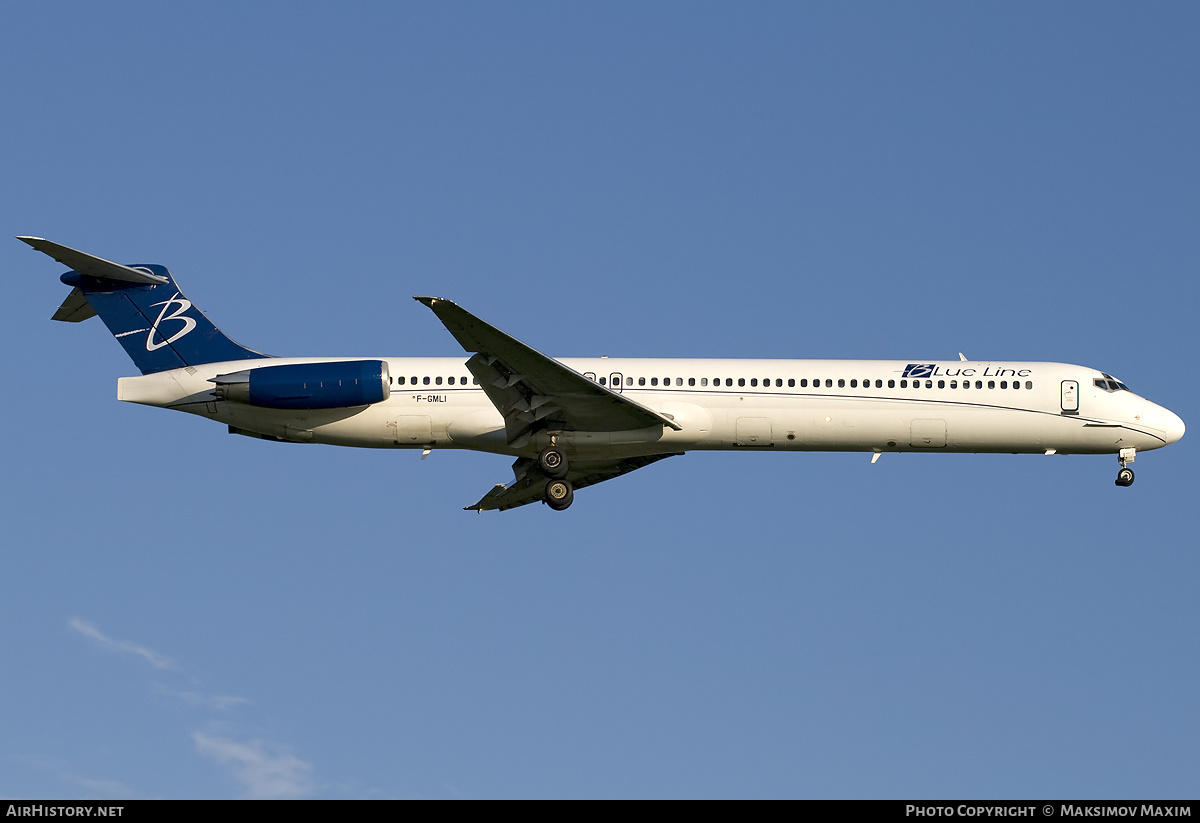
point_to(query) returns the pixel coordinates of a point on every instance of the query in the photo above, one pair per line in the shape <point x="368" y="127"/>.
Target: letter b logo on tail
<point x="182" y="304"/>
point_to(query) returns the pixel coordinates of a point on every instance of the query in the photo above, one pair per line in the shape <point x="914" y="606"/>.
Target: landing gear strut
<point x="1125" y="475"/>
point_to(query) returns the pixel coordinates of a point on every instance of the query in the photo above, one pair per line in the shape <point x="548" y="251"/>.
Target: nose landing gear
<point x="1125" y="475"/>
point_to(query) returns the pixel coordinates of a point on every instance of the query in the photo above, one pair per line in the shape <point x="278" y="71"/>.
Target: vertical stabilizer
<point x="144" y="309"/>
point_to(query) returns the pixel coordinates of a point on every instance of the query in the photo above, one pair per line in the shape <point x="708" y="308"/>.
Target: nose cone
<point x="1172" y="425"/>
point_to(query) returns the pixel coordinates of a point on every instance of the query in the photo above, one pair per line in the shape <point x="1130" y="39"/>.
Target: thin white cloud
<point x="267" y="770"/>
<point x="121" y="646"/>
<point x="218" y="702"/>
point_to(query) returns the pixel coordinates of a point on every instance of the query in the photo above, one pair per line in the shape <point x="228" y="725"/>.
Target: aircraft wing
<point x="529" y="484"/>
<point x="535" y="392"/>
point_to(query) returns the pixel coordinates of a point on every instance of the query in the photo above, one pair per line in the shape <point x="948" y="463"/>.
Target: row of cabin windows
<point x="436" y="381"/>
<point x="804" y="384"/>
<point x="741" y="381"/>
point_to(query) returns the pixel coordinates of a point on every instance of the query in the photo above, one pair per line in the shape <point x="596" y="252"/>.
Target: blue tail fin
<point x="144" y="309"/>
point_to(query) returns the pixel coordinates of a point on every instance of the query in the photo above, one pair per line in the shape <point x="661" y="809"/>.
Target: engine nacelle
<point x="308" y="385"/>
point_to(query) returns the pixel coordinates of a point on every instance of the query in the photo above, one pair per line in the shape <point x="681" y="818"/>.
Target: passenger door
<point x="1070" y="396"/>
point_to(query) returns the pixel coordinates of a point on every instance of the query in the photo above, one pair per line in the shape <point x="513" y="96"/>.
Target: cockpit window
<point x="1109" y="383"/>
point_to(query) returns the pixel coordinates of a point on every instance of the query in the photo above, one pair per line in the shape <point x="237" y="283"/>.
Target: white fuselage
<point x="798" y="405"/>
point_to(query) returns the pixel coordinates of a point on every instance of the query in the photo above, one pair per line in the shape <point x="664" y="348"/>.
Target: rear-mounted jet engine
<point x="337" y="385"/>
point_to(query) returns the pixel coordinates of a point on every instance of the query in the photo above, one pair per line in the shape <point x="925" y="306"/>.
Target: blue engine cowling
<point x="337" y="385"/>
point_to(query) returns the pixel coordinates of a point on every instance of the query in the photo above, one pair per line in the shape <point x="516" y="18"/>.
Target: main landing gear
<point x="552" y="462"/>
<point x="1125" y="475"/>
<point x="559" y="493"/>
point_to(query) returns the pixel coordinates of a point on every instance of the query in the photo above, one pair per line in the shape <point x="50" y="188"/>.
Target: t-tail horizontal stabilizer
<point x="91" y="265"/>
<point x="144" y="309"/>
<point x="76" y="309"/>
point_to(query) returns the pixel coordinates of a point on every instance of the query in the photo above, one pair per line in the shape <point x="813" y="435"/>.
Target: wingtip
<point x="428" y="301"/>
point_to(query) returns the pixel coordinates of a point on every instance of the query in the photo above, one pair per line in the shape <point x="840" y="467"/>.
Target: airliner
<point x="575" y="422"/>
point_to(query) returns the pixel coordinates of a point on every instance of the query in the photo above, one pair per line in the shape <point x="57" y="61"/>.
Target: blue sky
<point x="190" y="614"/>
